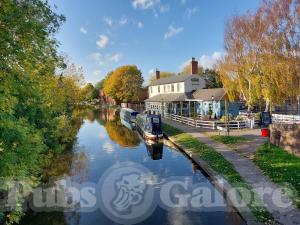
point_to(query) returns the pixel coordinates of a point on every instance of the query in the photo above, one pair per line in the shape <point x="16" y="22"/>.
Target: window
<point x="158" y="89"/>
<point x="172" y="87"/>
<point x="169" y="87"/>
<point x="164" y="88"/>
<point x="178" y="87"/>
<point x="151" y="89"/>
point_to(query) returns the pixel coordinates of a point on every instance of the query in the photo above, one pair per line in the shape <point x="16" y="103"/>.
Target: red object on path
<point x="265" y="132"/>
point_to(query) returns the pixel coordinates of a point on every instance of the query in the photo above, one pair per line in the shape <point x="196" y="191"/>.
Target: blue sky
<point x="100" y="35"/>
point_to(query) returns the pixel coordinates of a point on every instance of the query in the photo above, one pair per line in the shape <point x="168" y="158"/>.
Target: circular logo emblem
<point x="125" y="196"/>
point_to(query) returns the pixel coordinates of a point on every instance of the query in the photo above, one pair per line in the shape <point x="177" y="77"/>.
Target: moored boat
<point x="149" y="126"/>
<point x="128" y="115"/>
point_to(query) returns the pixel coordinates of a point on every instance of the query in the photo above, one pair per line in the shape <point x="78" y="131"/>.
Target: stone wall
<point x="289" y="137"/>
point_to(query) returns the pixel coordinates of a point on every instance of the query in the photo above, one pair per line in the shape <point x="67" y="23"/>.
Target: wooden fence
<point x="285" y="119"/>
<point x="213" y="125"/>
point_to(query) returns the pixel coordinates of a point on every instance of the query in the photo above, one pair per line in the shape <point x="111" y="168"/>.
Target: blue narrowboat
<point x="149" y="126"/>
<point x="128" y="115"/>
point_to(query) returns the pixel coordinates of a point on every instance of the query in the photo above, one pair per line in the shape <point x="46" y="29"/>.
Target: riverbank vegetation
<point x="219" y="164"/>
<point x="282" y="168"/>
<point x="228" y="140"/>
<point x="262" y="54"/>
<point x="37" y="93"/>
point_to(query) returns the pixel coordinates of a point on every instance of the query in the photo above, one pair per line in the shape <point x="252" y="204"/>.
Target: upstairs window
<point x="151" y="89"/>
<point x="172" y="87"/>
<point x="178" y="87"/>
<point x="164" y="88"/>
<point x="158" y="89"/>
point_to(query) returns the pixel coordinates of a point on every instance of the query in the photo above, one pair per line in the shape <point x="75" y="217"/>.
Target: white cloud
<point x="115" y="57"/>
<point x="108" y="21"/>
<point x="205" y="61"/>
<point x="191" y="11"/>
<point x="105" y="60"/>
<point x="144" y="4"/>
<point x="97" y="72"/>
<point x="83" y="30"/>
<point x="123" y="21"/>
<point x="208" y="62"/>
<point x="140" y="25"/>
<point x="183" y="65"/>
<point x="103" y="41"/>
<point x="164" y="8"/>
<point x="172" y="31"/>
<point x="97" y="57"/>
<point x="151" y="71"/>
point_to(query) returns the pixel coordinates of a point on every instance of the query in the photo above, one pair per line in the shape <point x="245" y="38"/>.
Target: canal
<point x="102" y="142"/>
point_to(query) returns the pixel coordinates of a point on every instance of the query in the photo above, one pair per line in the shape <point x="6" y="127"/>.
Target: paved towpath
<point x="288" y="215"/>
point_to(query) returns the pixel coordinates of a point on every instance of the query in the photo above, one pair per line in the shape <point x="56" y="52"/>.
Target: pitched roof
<point x="169" y="80"/>
<point x="172" y="97"/>
<point x="207" y="94"/>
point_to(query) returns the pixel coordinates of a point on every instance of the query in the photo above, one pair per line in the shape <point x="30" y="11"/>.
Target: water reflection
<point x="103" y="141"/>
<point x="155" y="149"/>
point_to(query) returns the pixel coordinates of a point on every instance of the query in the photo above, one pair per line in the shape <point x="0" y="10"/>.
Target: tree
<point x="124" y="84"/>
<point x="87" y="92"/>
<point x="187" y="70"/>
<point x="163" y="74"/>
<point x="262" y="60"/>
<point x="98" y="86"/>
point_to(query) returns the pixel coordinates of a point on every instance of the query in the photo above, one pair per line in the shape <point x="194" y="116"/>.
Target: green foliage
<point x="99" y="85"/>
<point x="281" y="166"/>
<point x="219" y="164"/>
<point x="228" y="139"/>
<point x="35" y="104"/>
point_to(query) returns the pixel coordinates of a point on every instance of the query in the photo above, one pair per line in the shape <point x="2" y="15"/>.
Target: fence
<point x="285" y="119"/>
<point x="213" y="125"/>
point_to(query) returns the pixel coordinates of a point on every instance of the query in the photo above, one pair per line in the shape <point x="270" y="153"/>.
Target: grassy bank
<point x="228" y="140"/>
<point x="218" y="163"/>
<point x="281" y="166"/>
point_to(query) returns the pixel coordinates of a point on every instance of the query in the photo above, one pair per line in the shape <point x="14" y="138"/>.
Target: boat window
<point x="172" y="87"/>
<point x="155" y="120"/>
<point x="158" y="88"/>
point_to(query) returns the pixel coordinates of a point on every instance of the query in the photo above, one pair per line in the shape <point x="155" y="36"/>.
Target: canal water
<point x="102" y="141"/>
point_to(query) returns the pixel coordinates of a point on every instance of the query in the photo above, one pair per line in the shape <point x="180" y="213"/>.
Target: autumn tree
<point x="163" y="74"/>
<point x="124" y="84"/>
<point x="262" y="54"/>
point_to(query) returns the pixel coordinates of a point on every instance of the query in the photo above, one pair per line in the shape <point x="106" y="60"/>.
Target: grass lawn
<point x="281" y="167"/>
<point x="217" y="162"/>
<point x="228" y="140"/>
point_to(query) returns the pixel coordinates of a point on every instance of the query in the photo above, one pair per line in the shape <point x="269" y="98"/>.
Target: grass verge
<point x="228" y="140"/>
<point x="281" y="167"/>
<point x="218" y="163"/>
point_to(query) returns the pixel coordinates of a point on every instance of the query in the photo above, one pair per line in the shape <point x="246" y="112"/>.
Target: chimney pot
<point x="194" y="66"/>
<point x="157" y="74"/>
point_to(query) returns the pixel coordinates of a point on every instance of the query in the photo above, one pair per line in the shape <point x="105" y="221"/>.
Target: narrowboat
<point x="128" y="115"/>
<point x="149" y="126"/>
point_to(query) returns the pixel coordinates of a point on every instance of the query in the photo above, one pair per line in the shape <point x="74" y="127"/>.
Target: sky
<point x="101" y="35"/>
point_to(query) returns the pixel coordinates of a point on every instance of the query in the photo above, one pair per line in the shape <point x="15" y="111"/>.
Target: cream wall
<point x="188" y="85"/>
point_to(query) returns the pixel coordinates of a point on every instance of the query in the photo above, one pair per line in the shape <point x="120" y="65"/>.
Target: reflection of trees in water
<point x="68" y="164"/>
<point x="107" y="114"/>
<point x="51" y="218"/>
<point x="121" y="134"/>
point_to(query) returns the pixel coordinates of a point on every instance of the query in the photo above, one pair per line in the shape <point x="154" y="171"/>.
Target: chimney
<point x="194" y="66"/>
<point x="157" y="74"/>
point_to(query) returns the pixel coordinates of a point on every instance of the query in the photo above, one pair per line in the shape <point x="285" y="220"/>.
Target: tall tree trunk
<point x="267" y="108"/>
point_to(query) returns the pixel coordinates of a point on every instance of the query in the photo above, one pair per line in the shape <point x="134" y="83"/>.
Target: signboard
<point x="266" y="119"/>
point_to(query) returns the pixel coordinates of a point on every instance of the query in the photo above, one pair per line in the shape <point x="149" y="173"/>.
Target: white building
<point x="175" y="89"/>
<point x="186" y="95"/>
